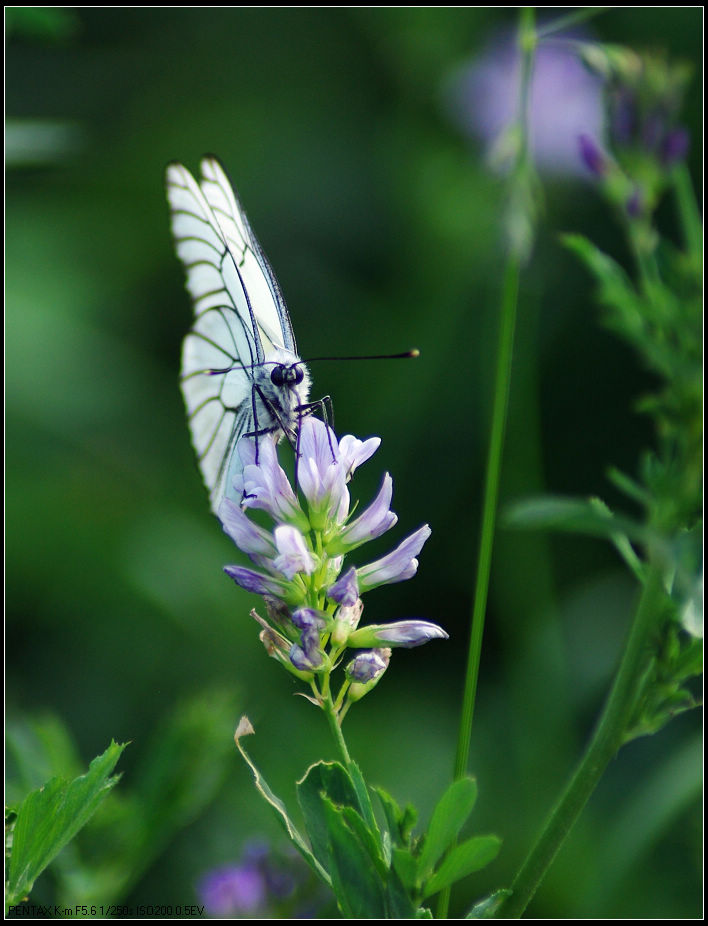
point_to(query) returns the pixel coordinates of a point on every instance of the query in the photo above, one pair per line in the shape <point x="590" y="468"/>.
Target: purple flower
<point x="312" y="599"/>
<point x="233" y="890"/>
<point x="345" y="590"/>
<point x="592" y="155"/>
<point x="293" y="555"/>
<point x="674" y="147"/>
<point x="264" y="483"/>
<point x="256" y="582"/>
<point x="565" y="101"/>
<point x="402" y="633"/>
<point x="367" y="666"/>
<point x="248" y="536"/>
<point x="396" y="566"/>
<point x="374" y="521"/>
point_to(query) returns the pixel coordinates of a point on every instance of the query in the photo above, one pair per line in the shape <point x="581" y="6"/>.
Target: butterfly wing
<point x="240" y="318"/>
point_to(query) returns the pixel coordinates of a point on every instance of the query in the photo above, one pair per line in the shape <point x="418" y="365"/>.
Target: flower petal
<point x="293" y="555"/>
<point x="396" y="566"/>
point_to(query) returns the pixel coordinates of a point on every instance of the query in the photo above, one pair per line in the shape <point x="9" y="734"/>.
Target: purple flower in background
<point x="233" y="890"/>
<point x="565" y="101"/>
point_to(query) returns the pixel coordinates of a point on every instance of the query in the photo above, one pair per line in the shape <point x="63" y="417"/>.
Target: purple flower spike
<point x="398" y="565"/>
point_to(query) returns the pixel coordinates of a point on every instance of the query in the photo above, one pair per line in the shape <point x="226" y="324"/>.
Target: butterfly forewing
<point x="241" y="327"/>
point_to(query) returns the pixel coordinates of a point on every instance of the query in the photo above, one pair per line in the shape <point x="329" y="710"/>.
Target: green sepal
<point x="450" y="813"/>
<point x="471" y="855"/>
<point x="48" y="818"/>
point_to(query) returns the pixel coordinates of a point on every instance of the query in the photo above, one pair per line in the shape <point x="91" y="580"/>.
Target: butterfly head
<point x="287" y="375"/>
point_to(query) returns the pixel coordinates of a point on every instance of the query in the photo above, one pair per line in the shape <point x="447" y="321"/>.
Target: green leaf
<point x="358" y="887"/>
<point x="449" y="814"/>
<point x="583" y="516"/>
<point x="472" y="855"/>
<point x="51" y="816"/>
<point x="323" y="779"/>
<point x="406" y="866"/>
<point x="244" y="729"/>
<point x="488" y="907"/>
<point x="399" y="822"/>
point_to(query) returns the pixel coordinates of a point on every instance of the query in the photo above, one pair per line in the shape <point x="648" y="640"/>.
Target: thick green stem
<point x="605" y="743"/>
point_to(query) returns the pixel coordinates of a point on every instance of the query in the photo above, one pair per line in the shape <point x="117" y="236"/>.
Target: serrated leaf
<point x="470" y="856"/>
<point x="488" y="907"/>
<point x="358" y="887"/>
<point x="244" y="729"/>
<point x="451" y="811"/>
<point x="51" y="816"/>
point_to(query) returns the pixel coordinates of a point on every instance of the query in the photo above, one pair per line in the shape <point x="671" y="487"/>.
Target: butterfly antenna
<point x="406" y="355"/>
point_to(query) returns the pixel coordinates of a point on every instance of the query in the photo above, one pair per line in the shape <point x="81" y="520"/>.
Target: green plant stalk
<point x="489" y="510"/>
<point x="605" y="743"/>
<point x="510" y="294"/>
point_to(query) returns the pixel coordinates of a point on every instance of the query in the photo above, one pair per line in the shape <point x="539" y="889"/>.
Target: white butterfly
<point x="241" y="374"/>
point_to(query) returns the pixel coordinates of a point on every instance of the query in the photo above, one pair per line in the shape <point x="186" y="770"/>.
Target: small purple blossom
<point x="366" y="666"/>
<point x="674" y="147"/>
<point x="345" y="590"/>
<point x="592" y="155"/>
<point x="256" y="582"/>
<point x="248" y="536"/>
<point x="402" y="633"/>
<point x="233" y="890"/>
<point x="371" y="523"/>
<point x="304" y="618"/>
<point x="293" y="555"/>
<point x="396" y="566"/>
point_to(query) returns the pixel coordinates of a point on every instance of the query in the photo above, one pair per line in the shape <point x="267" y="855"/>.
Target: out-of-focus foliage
<point x="381" y="221"/>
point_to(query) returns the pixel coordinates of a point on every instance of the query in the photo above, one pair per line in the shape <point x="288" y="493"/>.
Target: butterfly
<point x="241" y="374"/>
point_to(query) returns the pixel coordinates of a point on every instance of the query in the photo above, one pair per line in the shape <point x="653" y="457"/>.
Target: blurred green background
<point x="382" y="223"/>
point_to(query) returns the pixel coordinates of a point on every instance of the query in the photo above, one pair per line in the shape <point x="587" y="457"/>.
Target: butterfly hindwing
<point x="241" y="328"/>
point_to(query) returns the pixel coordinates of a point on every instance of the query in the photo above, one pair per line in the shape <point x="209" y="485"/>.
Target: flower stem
<point x="489" y="509"/>
<point x="336" y="729"/>
<point x="605" y="743"/>
<point x="510" y="293"/>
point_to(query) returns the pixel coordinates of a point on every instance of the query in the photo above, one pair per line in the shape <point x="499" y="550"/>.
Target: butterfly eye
<point x="286" y="376"/>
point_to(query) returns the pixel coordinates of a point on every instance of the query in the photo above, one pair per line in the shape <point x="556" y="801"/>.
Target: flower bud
<point x="402" y="633"/>
<point x="345" y="621"/>
<point x="365" y="670"/>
